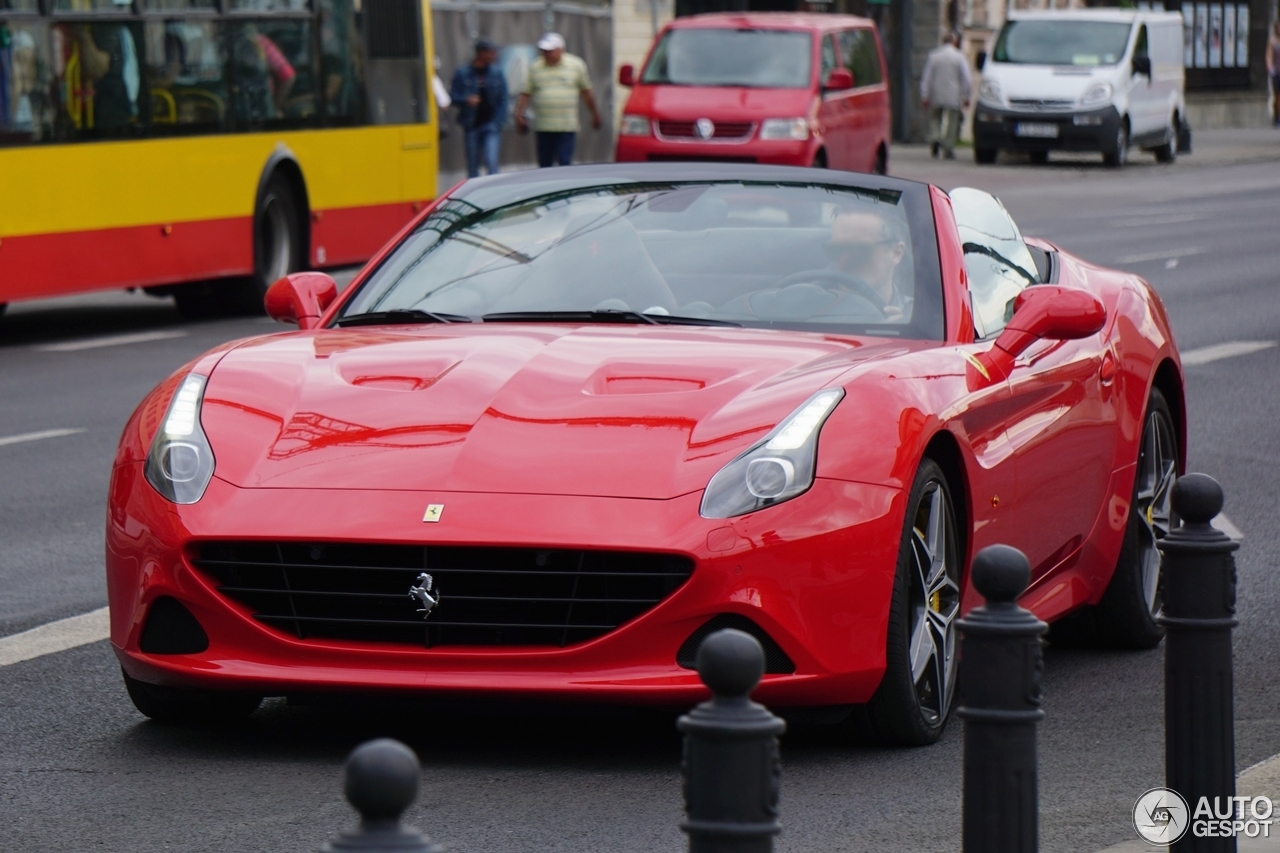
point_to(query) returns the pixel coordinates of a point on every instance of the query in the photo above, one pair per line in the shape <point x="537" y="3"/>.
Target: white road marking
<point x="1172" y="263"/>
<point x="37" y="436"/>
<point x="1204" y="355"/>
<point x="111" y="341"/>
<point x="55" y="637"/>
<point x="1159" y="256"/>
<point x="1221" y="522"/>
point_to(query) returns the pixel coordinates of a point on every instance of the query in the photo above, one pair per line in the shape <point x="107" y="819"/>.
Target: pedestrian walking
<point x="556" y="82"/>
<point x="479" y="89"/>
<point x="945" y="89"/>
<point x="1273" y="71"/>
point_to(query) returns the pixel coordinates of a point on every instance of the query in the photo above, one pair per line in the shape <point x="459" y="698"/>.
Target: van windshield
<point x="765" y="59"/>
<point x="1059" y="42"/>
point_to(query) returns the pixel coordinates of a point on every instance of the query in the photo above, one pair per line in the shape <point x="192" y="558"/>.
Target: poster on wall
<point x="1229" y="35"/>
<point x="1215" y="36"/>
<point x="1242" y="36"/>
<point x="1188" y="35"/>
<point x="1202" y="35"/>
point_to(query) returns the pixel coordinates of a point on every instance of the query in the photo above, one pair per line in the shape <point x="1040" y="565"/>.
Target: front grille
<point x="728" y="131"/>
<point x="1040" y="105"/>
<point x="487" y="596"/>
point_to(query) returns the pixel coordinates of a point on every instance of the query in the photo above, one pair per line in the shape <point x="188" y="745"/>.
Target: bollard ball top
<point x="731" y="663"/>
<point x="1197" y="498"/>
<point x="1001" y="573"/>
<point x="382" y="779"/>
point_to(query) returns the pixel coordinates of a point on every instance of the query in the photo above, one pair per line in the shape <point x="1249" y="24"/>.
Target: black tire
<point x="820" y="160"/>
<point x="1168" y="153"/>
<point x="1126" y="616"/>
<point x="1117" y="152"/>
<point x="184" y="705"/>
<point x="1039" y="158"/>
<point x="277" y="237"/>
<point x="985" y="156"/>
<point x="907" y="710"/>
<point x="882" y="161"/>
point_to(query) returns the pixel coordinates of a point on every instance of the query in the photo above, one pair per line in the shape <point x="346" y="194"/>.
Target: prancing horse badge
<point x="433" y="512"/>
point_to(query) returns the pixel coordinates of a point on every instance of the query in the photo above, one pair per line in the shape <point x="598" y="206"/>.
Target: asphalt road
<point x="81" y="770"/>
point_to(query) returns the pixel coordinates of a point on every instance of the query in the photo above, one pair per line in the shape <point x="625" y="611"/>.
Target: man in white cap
<point x="555" y="83"/>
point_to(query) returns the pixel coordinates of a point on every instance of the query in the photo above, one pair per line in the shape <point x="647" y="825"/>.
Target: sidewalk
<point x="1260" y="780"/>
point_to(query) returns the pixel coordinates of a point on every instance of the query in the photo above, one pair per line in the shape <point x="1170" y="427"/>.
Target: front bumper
<point x="784" y="152"/>
<point x="816" y="573"/>
<point x="1081" y="130"/>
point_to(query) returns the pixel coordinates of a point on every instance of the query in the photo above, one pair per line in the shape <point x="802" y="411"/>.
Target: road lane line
<point x="1204" y="355"/>
<point x="111" y="341"/>
<point x="37" y="436"/>
<point x="55" y="637"/>
<point x="1221" y="522"/>
<point x="1159" y="256"/>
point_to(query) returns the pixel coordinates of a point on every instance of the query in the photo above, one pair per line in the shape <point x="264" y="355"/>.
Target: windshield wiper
<point x="604" y="315"/>
<point x="401" y="315"/>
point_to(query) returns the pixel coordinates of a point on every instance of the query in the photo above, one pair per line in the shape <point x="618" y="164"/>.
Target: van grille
<point x="487" y="596"/>
<point x="727" y="131"/>
<point x="1040" y="105"/>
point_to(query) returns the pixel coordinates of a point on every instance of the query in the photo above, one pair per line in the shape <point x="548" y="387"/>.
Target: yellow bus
<point x="204" y="148"/>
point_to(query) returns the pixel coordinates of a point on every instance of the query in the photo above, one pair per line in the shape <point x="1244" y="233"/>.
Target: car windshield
<point x="766" y="59"/>
<point x="1059" y="42"/>
<point x="799" y="256"/>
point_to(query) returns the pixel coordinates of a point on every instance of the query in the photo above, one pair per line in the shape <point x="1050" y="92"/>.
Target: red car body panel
<point x="850" y="127"/>
<point x="603" y="437"/>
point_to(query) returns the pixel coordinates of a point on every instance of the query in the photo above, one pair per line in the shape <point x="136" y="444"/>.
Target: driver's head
<point x="867" y="245"/>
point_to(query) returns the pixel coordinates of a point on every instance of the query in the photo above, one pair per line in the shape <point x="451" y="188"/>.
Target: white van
<point x="1088" y="80"/>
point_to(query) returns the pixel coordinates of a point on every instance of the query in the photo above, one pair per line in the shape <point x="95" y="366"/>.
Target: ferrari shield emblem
<point x="433" y="512"/>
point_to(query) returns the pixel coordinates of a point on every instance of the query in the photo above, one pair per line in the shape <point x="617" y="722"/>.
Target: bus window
<point x="178" y="5"/>
<point x="268" y="5"/>
<point x="272" y="69"/>
<point x="25" y="113"/>
<point x="124" y="7"/>
<point x="184" y="70"/>
<point x="20" y="5"/>
<point x="99" y="76"/>
<point x="340" y="59"/>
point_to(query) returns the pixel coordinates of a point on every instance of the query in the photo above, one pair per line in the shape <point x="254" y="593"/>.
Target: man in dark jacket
<point x="480" y="92"/>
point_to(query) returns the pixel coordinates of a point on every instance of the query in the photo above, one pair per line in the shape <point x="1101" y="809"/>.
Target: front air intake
<point x="776" y="661"/>
<point x="170" y="629"/>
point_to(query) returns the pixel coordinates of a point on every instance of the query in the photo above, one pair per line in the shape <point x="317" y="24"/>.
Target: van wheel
<point x="1039" y="158"/>
<point x="985" y="156"/>
<point x="820" y="160"/>
<point x="881" y="166"/>
<point x="1118" y="151"/>
<point x="1168" y="153"/>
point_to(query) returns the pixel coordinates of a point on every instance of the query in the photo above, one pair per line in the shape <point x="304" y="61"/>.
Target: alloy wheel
<point x="933" y="604"/>
<point x="1157" y="470"/>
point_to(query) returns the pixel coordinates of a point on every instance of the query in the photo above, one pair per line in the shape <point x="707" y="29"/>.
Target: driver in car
<point x="868" y="247"/>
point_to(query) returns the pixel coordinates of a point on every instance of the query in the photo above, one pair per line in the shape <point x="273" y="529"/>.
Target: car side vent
<point x="393" y="29"/>
<point x="172" y="630"/>
<point x="776" y="661"/>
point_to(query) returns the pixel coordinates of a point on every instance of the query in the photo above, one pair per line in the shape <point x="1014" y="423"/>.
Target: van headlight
<point x="785" y="128"/>
<point x="778" y="468"/>
<point x="180" y="463"/>
<point x="989" y="93"/>
<point x="634" y="126"/>
<point x="1098" y="93"/>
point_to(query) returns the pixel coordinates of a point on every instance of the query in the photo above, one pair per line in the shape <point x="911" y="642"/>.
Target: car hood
<point x="638" y="412"/>
<point x="722" y="103"/>
<point x="1047" y="82"/>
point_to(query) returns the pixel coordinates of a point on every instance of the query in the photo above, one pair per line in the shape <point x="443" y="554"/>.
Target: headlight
<point x="776" y="469"/>
<point x="989" y="93"/>
<point x="1098" y="93"/>
<point x="785" y="128"/>
<point x="180" y="463"/>
<point x="634" y="126"/>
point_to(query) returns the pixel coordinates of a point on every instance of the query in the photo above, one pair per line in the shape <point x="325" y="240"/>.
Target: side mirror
<point x="839" y="80"/>
<point x="300" y="298"/>
<point x="1046" y="311"/>
<point x="980" y="60"/>
<point x="1142" y="65"/>
<point x="627" y="75"/>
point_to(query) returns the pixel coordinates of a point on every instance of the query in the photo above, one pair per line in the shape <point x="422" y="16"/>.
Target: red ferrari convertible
<point x="572" y="421"/>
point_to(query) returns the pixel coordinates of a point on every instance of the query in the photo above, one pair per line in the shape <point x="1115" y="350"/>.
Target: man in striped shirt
<point x="556" y="82"/>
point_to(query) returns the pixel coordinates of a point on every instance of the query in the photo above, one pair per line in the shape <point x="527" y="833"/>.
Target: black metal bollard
<point x="382" y="780"/>
<point x="1198" y="584"/>
<point x="1000" y="667"/>
<point x="732" y="770"/>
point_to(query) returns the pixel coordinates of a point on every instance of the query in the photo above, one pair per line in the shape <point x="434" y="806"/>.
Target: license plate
<point x="1038" y="129"/>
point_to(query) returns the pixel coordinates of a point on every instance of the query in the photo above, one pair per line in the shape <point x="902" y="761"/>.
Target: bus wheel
<point x="277" y="244"/>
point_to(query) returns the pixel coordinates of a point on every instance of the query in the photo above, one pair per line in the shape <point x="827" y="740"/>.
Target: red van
<point x="791" y="89"/>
